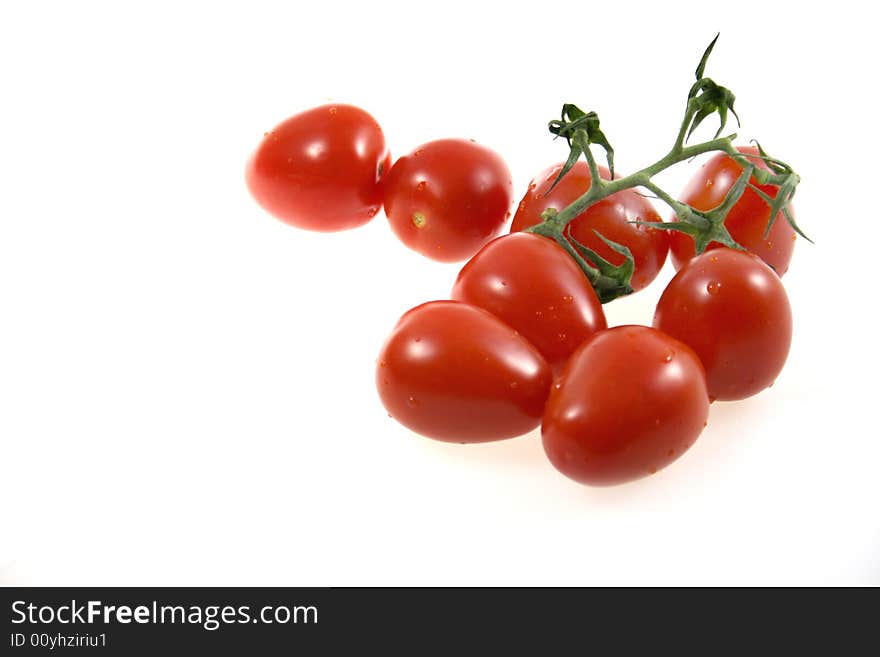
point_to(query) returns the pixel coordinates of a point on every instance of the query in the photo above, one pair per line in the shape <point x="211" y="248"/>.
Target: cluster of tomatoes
<point x="523" y="340"/>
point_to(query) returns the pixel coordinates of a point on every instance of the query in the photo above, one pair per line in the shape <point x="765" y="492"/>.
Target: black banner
<point x="256" y="621"/>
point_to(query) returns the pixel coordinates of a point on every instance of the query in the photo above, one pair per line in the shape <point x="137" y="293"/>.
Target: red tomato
<point x="536" y="288"/>
<point x="630" y="401"/>
<point x="732" y="310"/>
<point x="746" y="221"/>
<point x="321" y="169"/>
<point x="609" y="216"/>
<point x="454" y="372"/>
<point x="448" y="198"/>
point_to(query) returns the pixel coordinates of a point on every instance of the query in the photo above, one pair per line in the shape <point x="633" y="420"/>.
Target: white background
<point x="186" y="384"/>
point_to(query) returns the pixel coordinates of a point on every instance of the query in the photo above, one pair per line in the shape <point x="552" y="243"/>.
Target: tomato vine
<point x="705" y="98"/>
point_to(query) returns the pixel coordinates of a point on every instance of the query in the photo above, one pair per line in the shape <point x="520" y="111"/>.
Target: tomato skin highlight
<point x="533" y="286"/>
<point x="448" y="198"/>
<point x="454" y="372"/>
<point x="732" y="310"/>
<point x="321" y="169"/>
<point x="609" y="216"/>
<point x="630" y="401"/>
<point x="747" y="219"/>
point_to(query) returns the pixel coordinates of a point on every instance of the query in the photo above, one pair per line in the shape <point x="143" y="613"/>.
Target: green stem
<point x="581" y="130"/>
<point x="682" y="131"/>
<point x="600" y="189"/>
<point x="583" y="142"/>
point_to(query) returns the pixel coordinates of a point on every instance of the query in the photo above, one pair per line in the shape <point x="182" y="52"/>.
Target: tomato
<point x="536" y="288"/>
<point x="448" y="198"/>
<point x="732" y="309"/>
<point x="609" y="216"/>
<point x="630" y="401"/>
<point x="747" y="219"/>
<point x="321" y="169"/>
<point x="455" y="372"/>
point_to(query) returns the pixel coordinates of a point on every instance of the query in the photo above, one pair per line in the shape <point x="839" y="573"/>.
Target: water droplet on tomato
<point x="551" y="308"/>
<point x="421" y="186"/>
<point x="417" y="153"/>
<point x="709" y="183"/>
<point x="667" y="357"/>
<point x="657" y="422"/>
<point x="557" y="386"/>
<point x="503" y="283"/>
<point x="514" y="385"/>
<point x="539" y="314"/>
<point x="568" y="299"/>
<point x="713" y="287"/>
<point x="412" y="402"/>
<point x="712" y="399"/>
<point x="561" y="337"/>
<point x="652" y="470"/>
<point x="373" y="211"/>
<point x="671" y="452"/>
<point x="417" y="339"/>
<point x="714" y="258"/>
<point x="333" y="110"/>
<point x="507" y="215"/>
<point x="382" y="363"/>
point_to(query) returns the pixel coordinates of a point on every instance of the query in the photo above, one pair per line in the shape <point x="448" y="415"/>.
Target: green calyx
<point x="705" y="98"/>
<point x="581" y="130"/>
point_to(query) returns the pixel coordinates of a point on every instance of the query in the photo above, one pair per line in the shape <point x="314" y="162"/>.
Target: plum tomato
<point x="535" y="287"/>
<point x="747" y="219"/>
<point x="732" y="310"/>
<point x="610" y="217"/>
<point x="630" y="401"/>
<point x="455" y="372"/>
<point x="448" y="198"/>
<point x="321" y="169"/>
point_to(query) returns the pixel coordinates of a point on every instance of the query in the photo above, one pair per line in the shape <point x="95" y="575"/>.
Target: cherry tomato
<point x="732" y="309"/>
<point x="454" y="372"/>
<point x="321" y="169"/>
<point x="630" y="401"/>
<point x="448" y="198"/>
<point x="535" y="287"/>
<point x="746" y="221"/>
<point x="609" y="216"/>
